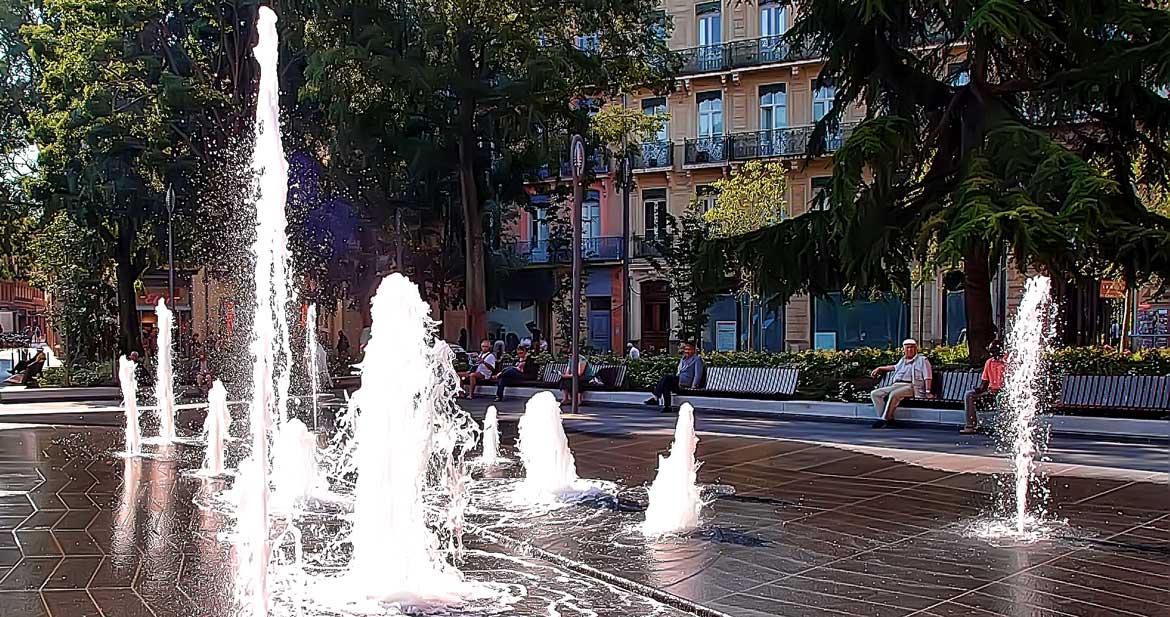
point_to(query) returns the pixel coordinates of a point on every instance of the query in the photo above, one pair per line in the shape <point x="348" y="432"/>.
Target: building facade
<point x="742" y="94"/>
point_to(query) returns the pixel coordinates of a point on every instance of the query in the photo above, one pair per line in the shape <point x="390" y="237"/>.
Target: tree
<point x="470" y="90"/>
<point x="752" y="198"/>
<point x="1026" y="151"/>
<point x="678" y="262"/>
<point x="136" y="95"/>
<point x="18" y="96"/>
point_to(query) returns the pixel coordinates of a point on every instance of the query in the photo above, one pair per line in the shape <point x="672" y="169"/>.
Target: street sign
<point x="577" y="156"/>
<point x="1113" y="290"/>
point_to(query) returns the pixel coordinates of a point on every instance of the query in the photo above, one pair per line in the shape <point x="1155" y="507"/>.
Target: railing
<point x="607" y="248"/>
<point x="644" y="247"/>
<point x="655" y="155"/>
<point x="754" y="52"/>
<point x="597" y="164"/>
<point x="712" y="149"/>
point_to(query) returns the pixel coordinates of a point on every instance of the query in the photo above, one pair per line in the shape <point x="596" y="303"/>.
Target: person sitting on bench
<point x="29" y="373"/>
<point x="482" y="367"/>
<point x="586" y="372"/>
<point x="689" y="376"/>
<point x="990" y="383"/>
<point x="525" y="370"/>
<point x="912" y="377"/>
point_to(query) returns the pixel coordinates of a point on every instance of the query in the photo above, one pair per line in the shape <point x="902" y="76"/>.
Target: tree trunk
<point x="475" y="290"/>
<point x="126" y="274"/>
<point x="981" y="327"/>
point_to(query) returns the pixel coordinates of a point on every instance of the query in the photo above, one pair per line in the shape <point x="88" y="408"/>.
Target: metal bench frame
<point x="748" y="380"/>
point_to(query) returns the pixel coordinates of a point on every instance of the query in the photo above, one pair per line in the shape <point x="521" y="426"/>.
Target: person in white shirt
<point x="632" y="351"/>
<point x="912" y="378"/>
<point x="483" y="366"/>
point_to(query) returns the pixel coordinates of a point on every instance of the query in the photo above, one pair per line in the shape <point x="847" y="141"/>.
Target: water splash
<point x="164" y="379"/>
<point x="675" y="501"/>
<point x="296" y="477"/>
<point x="128" y="380"/>
<point x="491" y="437"/>
<point x="312" y="359"/>
<point x="1022" y="501"/>
<point x="215" y="428"/>
<point x="549" y="468"/>
<point x="405" y="439"/>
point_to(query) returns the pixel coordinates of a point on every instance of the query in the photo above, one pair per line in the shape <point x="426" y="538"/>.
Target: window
<point x="710" y="23"/>
<point x="958" y="74"/>
<point x="823" y="101"/>
<point x="773" y="19"/>
<point x="773" y="107"/>
<point x="588" y="43"/>
<point x="591" y="215"/>
<point x="705" y="195"/>
<point x="839" y="323"/>
<point x="710" y="113"/>
<point x="654" y="206"/>
<point x="819" y="195"/>
<point x="655" y="107"/>
<point x="658" y="25"/>
<point x="538" y="230"/>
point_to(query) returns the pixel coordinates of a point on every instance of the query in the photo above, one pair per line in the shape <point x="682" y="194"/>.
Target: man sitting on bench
<point x="29" y="372"/>
<point x="990" y="383"/>
<point x="689" y="376"/>
<point x="912" y="377"/>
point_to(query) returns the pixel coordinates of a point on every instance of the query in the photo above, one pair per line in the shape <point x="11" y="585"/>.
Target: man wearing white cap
<point x="912" y="376"/>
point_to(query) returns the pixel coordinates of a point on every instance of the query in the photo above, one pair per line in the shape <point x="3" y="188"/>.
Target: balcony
<point x="655" y="155"/>
<point x="705" y="150"/>
<point x="740" y="54"/>
<point x="605" y="248"/>
<point x="645" y="247"/>
<point x="597" y="164"/>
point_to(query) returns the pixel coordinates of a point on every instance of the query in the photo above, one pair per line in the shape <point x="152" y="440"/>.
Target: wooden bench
<point x="1145" y="393"/>
<point x="952" y="386"/>
<point x="752" y="381"/>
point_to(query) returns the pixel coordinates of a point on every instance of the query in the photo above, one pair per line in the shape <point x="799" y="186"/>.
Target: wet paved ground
<point x="811" y="529"/>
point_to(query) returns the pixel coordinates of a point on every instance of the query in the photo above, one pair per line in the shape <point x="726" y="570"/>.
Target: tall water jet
<point x="675" y="503"/>
<point x="295" y="478"/>
<point x="406" y="440"/>
<point x="549" y="468"/>
<point x="312" y="359"/>
<point x="164" y="379"/>
<point x="491" y="436"/>
<point x="215" y="428"/>
<point x="1027" y="342"/>
<point x="272" y="361"/>
<point x="129" y="383"/>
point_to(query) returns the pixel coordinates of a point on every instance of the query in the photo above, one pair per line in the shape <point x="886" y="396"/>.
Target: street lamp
<point x="171" y="246"/>
<point x="577" y="158"/>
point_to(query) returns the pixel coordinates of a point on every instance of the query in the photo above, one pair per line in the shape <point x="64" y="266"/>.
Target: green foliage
<point x="1039" y="155"/>
<point x="81" y="375"/>
<point x="752" y="198"/>
<point x="615" y="124"/>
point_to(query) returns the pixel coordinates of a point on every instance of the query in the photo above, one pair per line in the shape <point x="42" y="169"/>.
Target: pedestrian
<point x="912" y="378"/>
<point x="482" y="367"/>
<point x="990" y="384"/>
<point x="342" y="344"/>
<point x="498" y="348"/>
<point x="632" y="351"/>
<point x="463" y="339"/>
<point x="524" y="370"/>
<point x="688" y="376"/>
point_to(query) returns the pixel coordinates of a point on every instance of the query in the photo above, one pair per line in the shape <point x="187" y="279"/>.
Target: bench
<point x="751" y="381"/>
<point x="1146" y="393"/>
<point x="948" y="386"/>
<point x="610" y="375"/>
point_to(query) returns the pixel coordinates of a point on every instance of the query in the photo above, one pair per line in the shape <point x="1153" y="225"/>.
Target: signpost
<point x="577" y="160"/>
<point x="170" y="247"/>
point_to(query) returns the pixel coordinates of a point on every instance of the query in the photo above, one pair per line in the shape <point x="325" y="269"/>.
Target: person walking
<point x="688" y="376"/>
<point x="990" y="384"/>
<point x="524" y="370"/>
<point x="912" y="378"/>
<point x="632" y="351"/>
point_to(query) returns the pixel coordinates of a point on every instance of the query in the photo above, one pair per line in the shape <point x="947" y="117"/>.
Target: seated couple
<point x="485" y="367"/>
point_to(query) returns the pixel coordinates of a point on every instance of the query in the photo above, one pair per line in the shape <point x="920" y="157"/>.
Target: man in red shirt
<point x="990" y="385"/>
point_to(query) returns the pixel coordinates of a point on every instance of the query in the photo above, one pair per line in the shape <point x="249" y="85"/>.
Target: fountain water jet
<point x="215" y="428"/>
<point x="296" y="476"/>
<point x="1026" y="347"/>
<point x="491" y="437"/>
<point x="129" y="383"/>
<point x="406" y="440"/>
<point x="675" y="503"/>
<point x="549" y="468"/>
<point x="164" y="383"/>
<point x="311" y="358"/>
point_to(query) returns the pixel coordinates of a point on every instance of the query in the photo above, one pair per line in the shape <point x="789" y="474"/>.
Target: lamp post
<point x="577" y="158"/>
<point x="171" y="246"/>
<point x="627" y="177"/>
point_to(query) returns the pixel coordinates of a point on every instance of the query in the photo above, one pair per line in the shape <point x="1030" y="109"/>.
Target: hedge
<point x="844" y="375"/>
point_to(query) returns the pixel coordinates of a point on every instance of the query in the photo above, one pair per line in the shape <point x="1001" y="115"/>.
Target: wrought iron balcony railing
<point x="655" y="155"/>
<point x="760" y="51"/>
<point x="606" y="248"/>
<point x="646" y="246"/>
<point x="711" y="149"/>
<point x="771" y="143"/>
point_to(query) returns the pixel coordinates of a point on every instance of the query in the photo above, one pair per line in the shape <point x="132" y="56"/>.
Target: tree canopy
<point x="751" y="198"/>
<point x="993" y="127"/>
